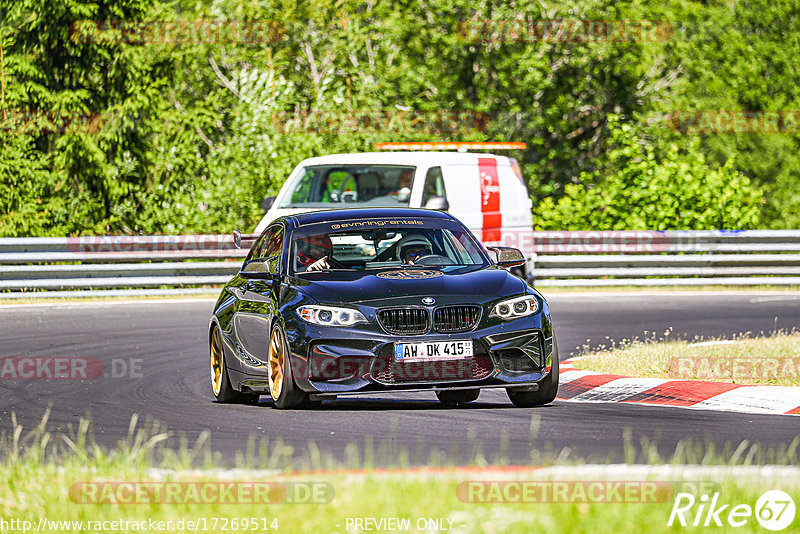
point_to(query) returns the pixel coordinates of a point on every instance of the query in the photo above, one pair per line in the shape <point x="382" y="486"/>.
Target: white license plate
<point x="433" y="350"/>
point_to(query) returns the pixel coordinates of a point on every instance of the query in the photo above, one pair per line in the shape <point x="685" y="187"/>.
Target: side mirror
<point x="239" y="237"/>
<point x="267" y="203"/>
<point x="508" y="256"/>
<point x="437" y="203"/>
<point x="260" y="268"/>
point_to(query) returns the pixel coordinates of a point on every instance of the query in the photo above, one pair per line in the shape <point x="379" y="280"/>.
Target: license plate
<point x="433" y="350"/>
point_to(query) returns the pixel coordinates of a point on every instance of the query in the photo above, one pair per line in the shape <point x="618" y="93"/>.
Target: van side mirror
<point x="507" y="256"/>
<point x="267" y="203"/>
<point x="437" y="203"/>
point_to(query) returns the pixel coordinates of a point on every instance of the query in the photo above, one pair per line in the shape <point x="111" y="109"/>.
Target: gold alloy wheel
<point x="216" y="361"/>
<point x="276" y="364"/>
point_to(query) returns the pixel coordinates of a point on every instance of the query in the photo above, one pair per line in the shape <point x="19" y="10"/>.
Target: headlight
<point x="330" y="315"/>
<point x="516" y="307"/>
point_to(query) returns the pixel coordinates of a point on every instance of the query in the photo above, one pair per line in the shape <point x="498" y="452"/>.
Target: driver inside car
<point x="313" y="252"/>
<point x="413" y="247"/>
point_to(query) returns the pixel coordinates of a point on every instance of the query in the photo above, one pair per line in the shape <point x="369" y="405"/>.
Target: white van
<point x="484" y="191"/>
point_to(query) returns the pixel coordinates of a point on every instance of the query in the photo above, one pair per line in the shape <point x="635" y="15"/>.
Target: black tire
<point x="459" y="396"/>
<point x="282" y="388"/>
<point x="220" y="381"/>
<point x="548" y="388"/>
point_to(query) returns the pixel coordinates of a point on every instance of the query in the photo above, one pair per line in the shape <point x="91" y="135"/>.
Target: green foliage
<point x="184" y="136"/>
<point x="643" y="188"/>
<point x="93" y="174"/>
<point x="24" y="182"/>
<point x="741" y="56"/>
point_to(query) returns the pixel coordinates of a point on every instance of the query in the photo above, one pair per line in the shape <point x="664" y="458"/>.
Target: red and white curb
<point x="587" y="386"/>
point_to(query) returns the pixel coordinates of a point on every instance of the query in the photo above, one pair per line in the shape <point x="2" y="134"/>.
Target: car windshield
<point x="319" y="186"/>
<point x="438" y="244"/>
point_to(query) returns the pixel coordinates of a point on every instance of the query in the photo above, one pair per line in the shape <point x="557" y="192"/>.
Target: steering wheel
<point x="434" y="259"/>
<point x="341" y="191"/>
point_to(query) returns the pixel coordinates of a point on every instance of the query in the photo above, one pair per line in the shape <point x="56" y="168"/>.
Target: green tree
<point x="739" y="56"/>
<point x="183" y="136"/>
<point x="643" y="188"/>
<point x="93" y="104"/>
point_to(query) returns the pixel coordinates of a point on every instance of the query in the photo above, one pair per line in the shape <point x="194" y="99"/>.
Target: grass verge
<point x="65" y="478"/>
<point x="773" y="360"/>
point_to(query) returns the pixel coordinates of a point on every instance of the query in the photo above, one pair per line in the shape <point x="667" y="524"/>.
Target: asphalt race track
<point x="157" y="352"/>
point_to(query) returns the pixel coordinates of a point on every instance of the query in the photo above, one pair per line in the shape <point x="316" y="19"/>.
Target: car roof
<point x="404" y="158"/>
<point x="314" y="217"/>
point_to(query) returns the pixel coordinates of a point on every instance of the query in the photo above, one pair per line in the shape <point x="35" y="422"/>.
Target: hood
<point x="399" y="287"/>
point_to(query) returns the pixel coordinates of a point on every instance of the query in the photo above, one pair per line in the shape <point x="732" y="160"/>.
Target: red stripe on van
<point x="490" y="199"/>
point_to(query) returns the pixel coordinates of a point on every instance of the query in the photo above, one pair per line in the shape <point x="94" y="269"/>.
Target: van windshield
<point x="319" y="186"/>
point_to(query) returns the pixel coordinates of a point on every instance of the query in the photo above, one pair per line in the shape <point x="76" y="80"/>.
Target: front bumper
<point x="328" y="363"/>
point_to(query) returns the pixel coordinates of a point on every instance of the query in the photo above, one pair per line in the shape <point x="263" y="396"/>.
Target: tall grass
<point x="38" y="467"/>
<point x="744" y="359"/>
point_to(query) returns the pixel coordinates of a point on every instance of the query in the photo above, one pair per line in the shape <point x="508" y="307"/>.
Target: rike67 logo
<point x="774" y="510"/>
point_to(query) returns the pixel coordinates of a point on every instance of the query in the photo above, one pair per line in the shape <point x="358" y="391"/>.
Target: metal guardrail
<point x="115" y="264"/>
<point x="149" y="264"/>
<point x="679" y="257"/>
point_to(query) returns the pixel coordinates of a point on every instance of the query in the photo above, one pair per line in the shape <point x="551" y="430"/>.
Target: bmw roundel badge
<point x="428" y="301"/>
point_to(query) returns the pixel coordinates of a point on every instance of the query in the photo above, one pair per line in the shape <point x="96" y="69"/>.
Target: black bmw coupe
<point x="351" y="302"/>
